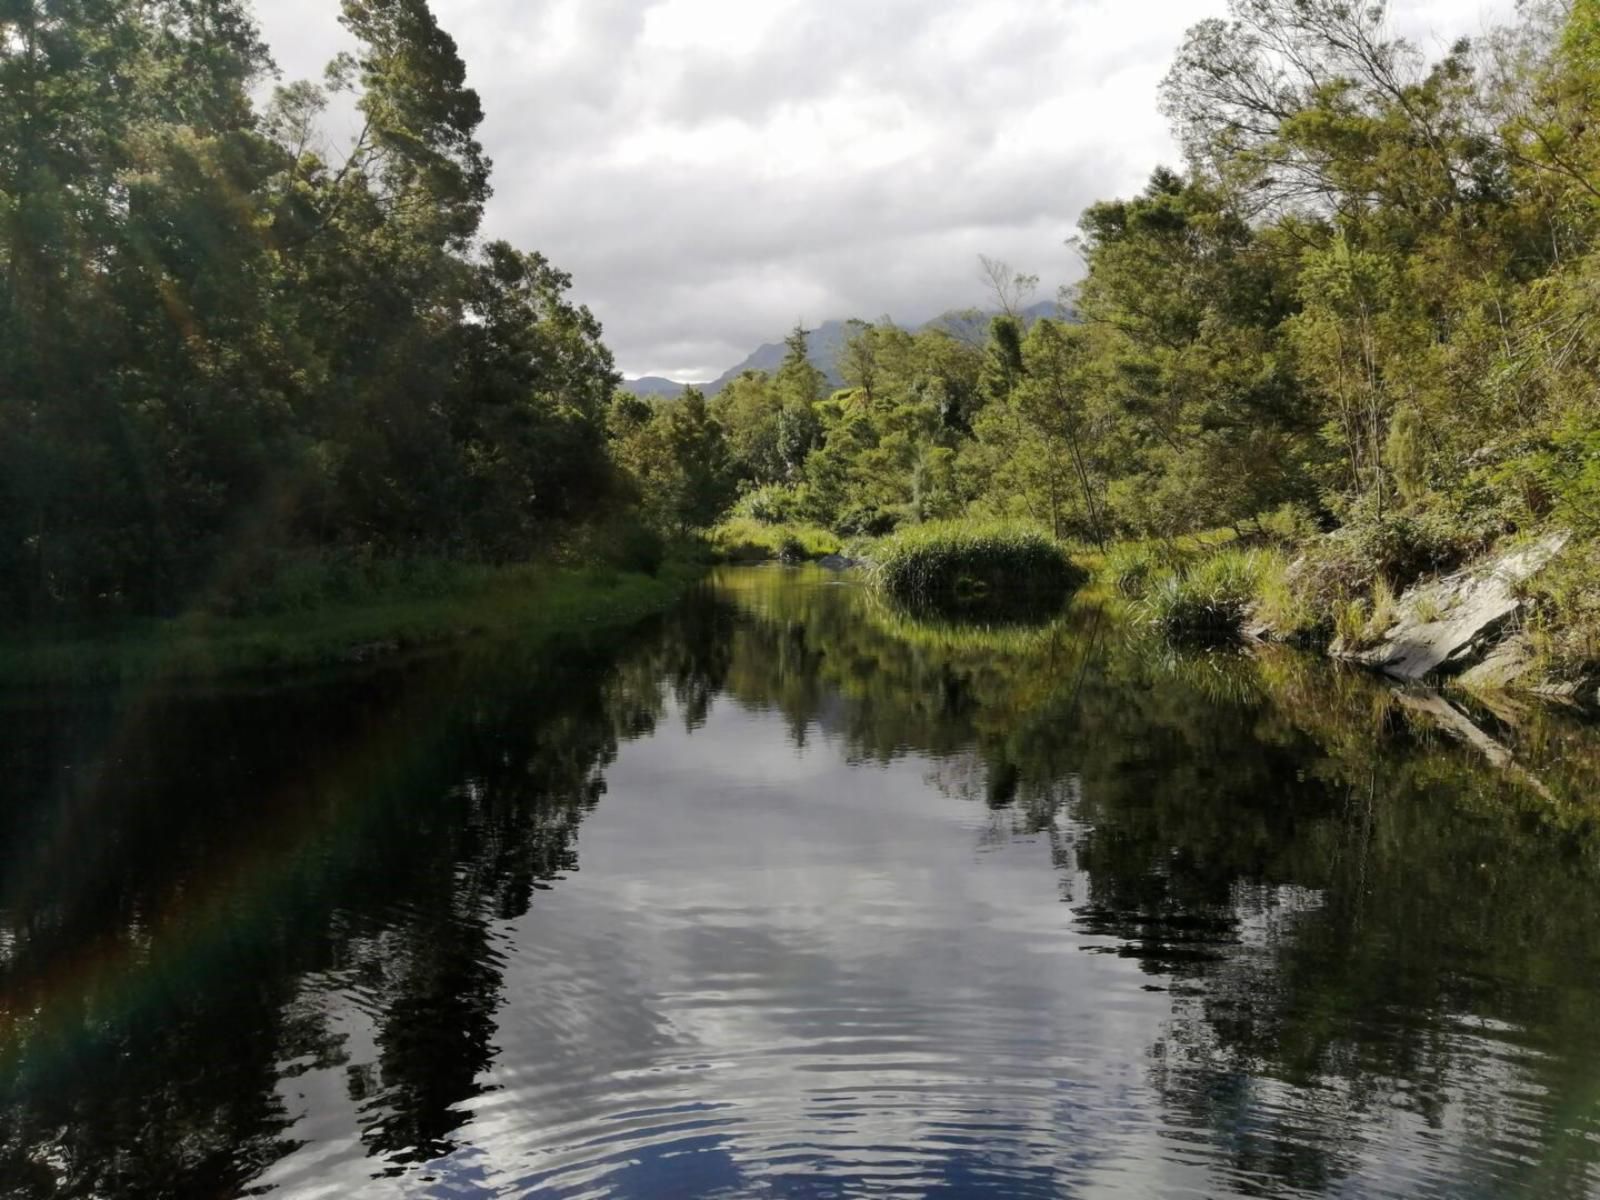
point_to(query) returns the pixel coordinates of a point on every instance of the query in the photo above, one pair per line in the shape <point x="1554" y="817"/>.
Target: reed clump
<point x="1208" y="599"/>
<point x="960" y="563"/>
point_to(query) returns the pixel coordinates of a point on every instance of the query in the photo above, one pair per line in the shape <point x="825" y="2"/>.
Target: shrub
<point x="1366" y="564"/>
<point x="866" y="520"/>
<point x="961" y="563"/>
<point x="771" y="505"/>
<point x="1291" y="524"/>
<point x="1134" y="568"/>
<point x="1566" y="622"/>
<point x="637" y="547"/>
<point x="744" y="539"/>
<point x="1209" y="599"/>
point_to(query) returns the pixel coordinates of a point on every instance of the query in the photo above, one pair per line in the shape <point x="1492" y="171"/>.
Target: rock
<point x="1504" y="665"/>
<point x="1455" y="623"/>
<point x="837" y="562"/>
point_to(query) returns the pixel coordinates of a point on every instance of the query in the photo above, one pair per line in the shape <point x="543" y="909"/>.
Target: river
<point x="785" y="894"/>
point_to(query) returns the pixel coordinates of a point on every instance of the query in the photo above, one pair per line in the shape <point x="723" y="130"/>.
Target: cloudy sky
<point x="712" y="170"/>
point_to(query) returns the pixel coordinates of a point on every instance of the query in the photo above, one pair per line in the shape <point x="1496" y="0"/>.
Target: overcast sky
<point x="712" y="170"/>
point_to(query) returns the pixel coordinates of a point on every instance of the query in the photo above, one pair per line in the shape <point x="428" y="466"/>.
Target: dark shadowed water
<point x="786" y="895"/>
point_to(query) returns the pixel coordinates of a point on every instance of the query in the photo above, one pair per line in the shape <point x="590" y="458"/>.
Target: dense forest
<point x="224" y="344"/>
<point x="1367" y="304"/>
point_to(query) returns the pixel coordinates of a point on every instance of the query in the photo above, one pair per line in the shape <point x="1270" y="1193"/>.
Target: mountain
<point x="823" y="349"/>
<point x="827" y="342"/>
<point x="653" y="385"/>
<point x="972" y="324"/>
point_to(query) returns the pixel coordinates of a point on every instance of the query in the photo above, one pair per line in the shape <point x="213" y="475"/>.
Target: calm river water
<point x="787" y="895"/>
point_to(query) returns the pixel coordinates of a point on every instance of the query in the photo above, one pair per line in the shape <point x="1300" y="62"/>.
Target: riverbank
<point x="1519" y="614"/>
<point x="746" y="540"/>
<point x="526" y="602"/>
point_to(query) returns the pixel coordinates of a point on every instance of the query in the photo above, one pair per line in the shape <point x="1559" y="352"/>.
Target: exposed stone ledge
<point x="1458" y="625"/>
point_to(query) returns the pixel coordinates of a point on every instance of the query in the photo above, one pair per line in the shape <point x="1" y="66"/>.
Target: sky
<point x="712" y="171"/>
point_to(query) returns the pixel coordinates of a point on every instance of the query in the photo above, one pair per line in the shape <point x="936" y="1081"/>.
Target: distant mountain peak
<point x="825" y="344"/>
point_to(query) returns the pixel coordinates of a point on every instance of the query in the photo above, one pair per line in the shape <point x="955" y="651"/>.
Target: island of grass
<point x="960" y="565"/>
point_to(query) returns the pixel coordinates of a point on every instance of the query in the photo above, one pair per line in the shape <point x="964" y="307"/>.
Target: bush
<point x="637" y="547"/>
<point x="1566" y="621"/>
<point x="865" y="520"/>
<point x="744" y="539"/>
<point x="1208" y="600"/>
<point x="1292" y="524"/>
<point x="961" y="563"/>
<point x="1372" y="557"/>
<point x="1134" y="568"/>
<point x="771" y="505"/>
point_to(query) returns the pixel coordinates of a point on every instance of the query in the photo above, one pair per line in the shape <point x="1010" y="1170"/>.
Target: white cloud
<point x="709" y="170"/>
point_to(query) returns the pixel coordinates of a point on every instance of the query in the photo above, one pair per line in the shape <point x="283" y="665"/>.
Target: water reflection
<point x="790" y="895"/>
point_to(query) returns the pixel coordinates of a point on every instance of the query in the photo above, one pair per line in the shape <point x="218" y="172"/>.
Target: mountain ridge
<point x="825" y="344"/>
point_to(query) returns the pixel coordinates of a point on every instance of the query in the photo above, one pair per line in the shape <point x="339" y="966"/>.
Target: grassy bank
<point x="747" y="540"/>
<point x="1348" y="586"/>
<point x="526" y="602"/>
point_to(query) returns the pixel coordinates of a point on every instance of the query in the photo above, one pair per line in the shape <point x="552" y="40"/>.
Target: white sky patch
<point x="710" y="170"/>
<point x="697" y="27"/>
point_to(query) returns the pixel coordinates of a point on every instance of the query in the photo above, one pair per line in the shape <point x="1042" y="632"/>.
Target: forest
<point x="1361" y="323"/>
<point x="1360" y="320"/>
<point x="228" y="352"/>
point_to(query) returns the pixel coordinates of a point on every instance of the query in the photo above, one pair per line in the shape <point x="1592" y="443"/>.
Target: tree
<point x="1189" y="302"/>
<point x="705" y="483"/>
<point x="860" y="362"/>
<point x="1009" y="289"/>
<point x="218" y="348"/>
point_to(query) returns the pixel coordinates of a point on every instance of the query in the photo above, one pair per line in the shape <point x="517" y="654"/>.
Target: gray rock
<point x="1455" y="623"/>
<point x="1504" y="665"/>
<point x="837" y="562"/>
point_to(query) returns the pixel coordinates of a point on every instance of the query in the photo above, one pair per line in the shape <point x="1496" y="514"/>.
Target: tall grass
<point x="1134" y="568"/>
<point x="1208" y="599"/>
<point x="745" y="539"/>
<point x="958" y="563"/>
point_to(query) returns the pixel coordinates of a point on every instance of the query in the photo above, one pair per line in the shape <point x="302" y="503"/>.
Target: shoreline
<point x="196" y="648"/>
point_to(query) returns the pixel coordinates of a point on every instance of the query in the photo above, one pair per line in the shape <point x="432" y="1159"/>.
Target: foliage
<point x="956" y="562"/>
<point x="1207" y="599"/>
<point x="224" y="342"/>
<point x="676" y="453"/>
<point x="742" y="539"/>
<point x="1565" y="625"/>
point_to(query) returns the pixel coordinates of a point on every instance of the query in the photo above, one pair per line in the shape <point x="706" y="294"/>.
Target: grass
<point x="1207" y="599"/>
<point x="962" y="564"/>
<point x="1565" y="623"/>
<point x="745" y="539"/>
<point x="528" y="602"/>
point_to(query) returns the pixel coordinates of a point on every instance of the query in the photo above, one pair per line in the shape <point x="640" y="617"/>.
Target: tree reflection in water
<point x="1353" y="912"/>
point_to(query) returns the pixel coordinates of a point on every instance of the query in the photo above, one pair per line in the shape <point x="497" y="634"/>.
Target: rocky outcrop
<point x="1458" y="624"/>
